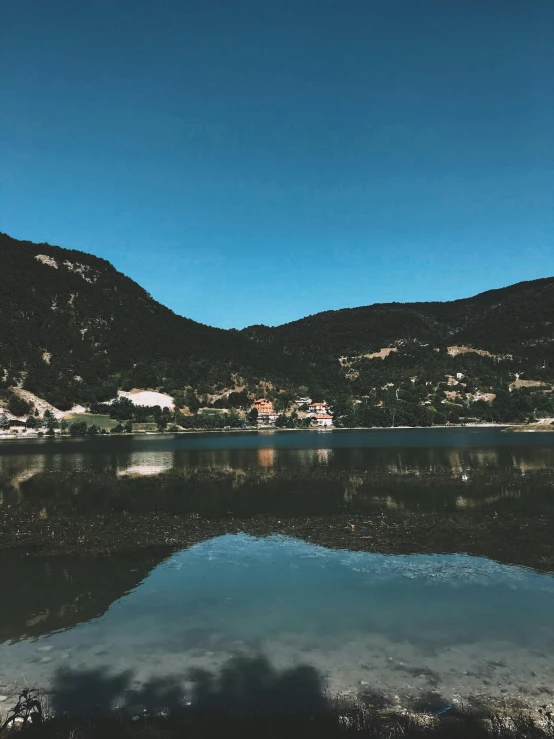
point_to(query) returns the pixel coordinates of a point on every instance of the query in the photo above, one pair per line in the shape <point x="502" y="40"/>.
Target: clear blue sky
<point x="255" y="161"/>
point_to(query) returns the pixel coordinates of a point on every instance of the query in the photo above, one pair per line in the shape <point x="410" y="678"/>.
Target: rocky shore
<point x="503" y="536"/>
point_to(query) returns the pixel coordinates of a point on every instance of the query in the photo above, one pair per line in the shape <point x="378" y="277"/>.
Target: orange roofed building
<point x="263" y="405"/>
<point x="266" y="413"/>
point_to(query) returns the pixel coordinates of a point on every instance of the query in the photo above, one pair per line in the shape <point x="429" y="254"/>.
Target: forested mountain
<point x="75" y="330"/>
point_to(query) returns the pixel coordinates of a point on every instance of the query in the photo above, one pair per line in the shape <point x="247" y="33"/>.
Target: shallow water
<point x="384" y="627"/>
<point x="402" y="624"/>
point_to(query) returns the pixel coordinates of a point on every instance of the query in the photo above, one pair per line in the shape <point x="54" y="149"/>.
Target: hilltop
<point x="508" y="320"/>
<point x="75" y="331"/>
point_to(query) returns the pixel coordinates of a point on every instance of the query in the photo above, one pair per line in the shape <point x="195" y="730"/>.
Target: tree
<point x="191" y="401"/>
<point x="32" y="422"/>
<point x="93" y="430"/>
<point x="49" y="420"/>
<point x="122" y="409"/>
<point x="233" y="420"/>
<point x="17" y="406"/>
<point x="317" y="394"/>
<point x="63" y="425"/>
<point x="4" y="423"/>
<point x="78" y="428"/>
<point x="238" y="400"/>
<point x="282" y="401"/>
<point x="253" y="417"/>
<point x="179" y="398"/>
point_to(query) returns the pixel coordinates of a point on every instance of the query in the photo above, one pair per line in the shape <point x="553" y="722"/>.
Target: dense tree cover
<point x="501" y="321"/>
<point x="518" y="406"/>
<point x="74" y="330"/>
<point x="124" y="409"/>
<point x="210" y="421"/>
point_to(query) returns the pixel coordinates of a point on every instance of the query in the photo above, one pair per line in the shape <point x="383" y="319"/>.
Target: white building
<point x="321" y="420"/>
<point x="318" y="408"/>
<point x="267" y="418"/>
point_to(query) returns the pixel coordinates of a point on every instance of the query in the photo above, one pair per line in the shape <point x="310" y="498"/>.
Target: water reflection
<point x="147" y="464"/>
<point x="282" y="473"/>
<point x="266" y="457"/>
<point x="411" y="451"/>
<point x="47" y="594"/>
<point x="460" y="623"/>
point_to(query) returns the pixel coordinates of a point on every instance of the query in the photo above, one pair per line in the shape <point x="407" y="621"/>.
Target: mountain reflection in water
<point x="452" y="622"/>
<point x="282" y="473"/>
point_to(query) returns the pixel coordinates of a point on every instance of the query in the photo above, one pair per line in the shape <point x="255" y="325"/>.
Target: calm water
<point x="279" y="608"/>
<point x="286" y="473"/>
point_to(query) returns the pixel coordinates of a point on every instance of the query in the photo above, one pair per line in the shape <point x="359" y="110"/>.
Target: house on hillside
<point x="267" y="419"/>
<point x="263" y="405"/>
<point x="321" y="420"/>
<point x="266" y="412"/>
<point x="303" y="401"/>
<point x="318" y="408"/>
<point x="15" y="425"/>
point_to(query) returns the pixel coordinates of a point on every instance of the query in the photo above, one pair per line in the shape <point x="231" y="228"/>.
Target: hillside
<point x="74" y="330"/>
<point x="502" y="321"/>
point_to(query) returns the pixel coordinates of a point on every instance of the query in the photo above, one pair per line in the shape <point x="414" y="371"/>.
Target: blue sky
<point x="255" y="161"/>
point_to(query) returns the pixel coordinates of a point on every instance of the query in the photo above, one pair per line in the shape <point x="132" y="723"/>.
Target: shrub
<point x="17" y="406"/>
<point x="78" y="428"/>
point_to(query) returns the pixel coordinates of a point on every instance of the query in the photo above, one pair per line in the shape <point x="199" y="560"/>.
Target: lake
<point x="404" y="567"/>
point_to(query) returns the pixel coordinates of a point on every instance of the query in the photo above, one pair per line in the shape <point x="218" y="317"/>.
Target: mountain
<point x="75" y="330"/>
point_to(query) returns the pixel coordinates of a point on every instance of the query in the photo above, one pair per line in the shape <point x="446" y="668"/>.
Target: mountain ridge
<point x="392" y="303"/>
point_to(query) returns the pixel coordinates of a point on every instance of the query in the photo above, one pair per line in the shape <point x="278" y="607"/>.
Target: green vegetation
<point x="81" y="428"/>
<point x="28" y="710"/>
<point x="210" y="420"/>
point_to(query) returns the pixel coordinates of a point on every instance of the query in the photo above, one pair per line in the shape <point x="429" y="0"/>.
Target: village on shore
<point x="454" y="401"/>
<point x="318" y="413"/>
<point x="263" y="414"/>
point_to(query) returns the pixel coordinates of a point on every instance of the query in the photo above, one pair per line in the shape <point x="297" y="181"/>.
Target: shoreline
<point x="502" y="427"/>
<point x="319" y="715"/>
<point x="497" y="536"/>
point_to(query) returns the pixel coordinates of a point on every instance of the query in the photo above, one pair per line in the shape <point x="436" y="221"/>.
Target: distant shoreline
<point x="504" y="427"/>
